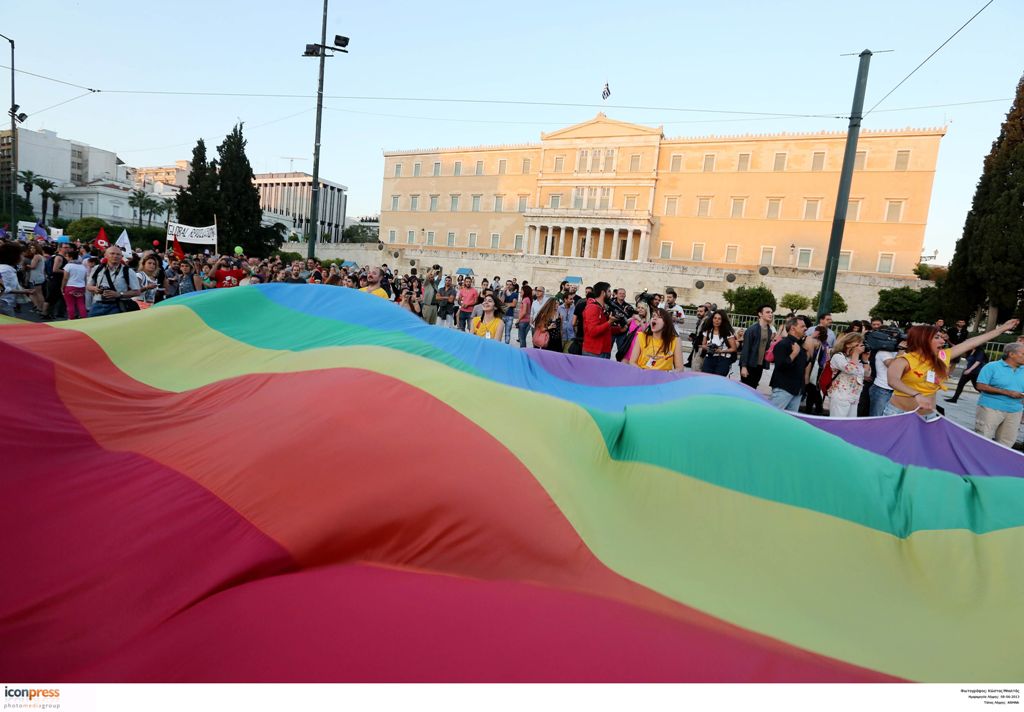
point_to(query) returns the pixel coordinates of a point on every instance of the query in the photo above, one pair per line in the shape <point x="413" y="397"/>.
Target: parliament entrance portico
<point x="605" y="235"/>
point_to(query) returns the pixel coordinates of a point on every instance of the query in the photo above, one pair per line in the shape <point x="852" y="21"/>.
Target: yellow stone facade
<point x="608" y="190"/>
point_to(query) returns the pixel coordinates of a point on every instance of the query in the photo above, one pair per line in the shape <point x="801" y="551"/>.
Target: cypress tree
<point x="197" y="204"/>
<point x="989" y="258"/>
<point x="239" y="213"/>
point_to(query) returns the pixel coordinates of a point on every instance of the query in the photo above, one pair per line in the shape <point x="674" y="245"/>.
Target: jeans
<point x="100" y="308"/>
<point x="509" y="320"/>
<point x="74" y="300"/>
<point x="464" y="318"/>
<point x="524" y="329"/>
<point x="606" y="355"/>
<point x="784" y="400"/>
<point x="891" y="409"/>
<point x="718" y="365"/>
<point x="879" y="399"/>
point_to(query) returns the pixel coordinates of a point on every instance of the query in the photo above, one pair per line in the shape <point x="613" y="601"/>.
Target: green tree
<point x="903" y="305"/>
<point x="28" y="181"/>
<point x="989" y="257"/>
<point x="45" y="188"/>
<point x="56" y="199"/>
<point x="358" y="233"/>
<point x="839" y="305"/>
<point x="86" y="229"/>
<point x="197" y="203"/>
<point x="749" y="299"/>
<point x="794" y="302"/>
<point x="729" y="296"/>
<point x="22" y="209"/>
<point x="239" y="215"/>
<point x="153" y="206"/>
<point x="138" y="200"/>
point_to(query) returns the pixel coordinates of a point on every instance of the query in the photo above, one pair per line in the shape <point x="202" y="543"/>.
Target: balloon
<point x="156" y="243"/>
<point x="238" y="250"/>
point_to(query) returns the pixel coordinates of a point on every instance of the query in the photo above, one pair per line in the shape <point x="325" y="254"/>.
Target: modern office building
<point x="610" y="190"/>
<point x="288" y="195"/>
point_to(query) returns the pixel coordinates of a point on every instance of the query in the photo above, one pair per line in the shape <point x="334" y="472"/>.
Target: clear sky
<point x="743" y="55"/>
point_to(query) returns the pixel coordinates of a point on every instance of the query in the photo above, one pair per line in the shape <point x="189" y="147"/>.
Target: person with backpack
<point x="113" y="284"/>
<point x="848" y="371"/>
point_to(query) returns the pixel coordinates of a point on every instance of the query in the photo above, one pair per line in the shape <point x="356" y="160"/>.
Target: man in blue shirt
<point x="1001" y="384"/>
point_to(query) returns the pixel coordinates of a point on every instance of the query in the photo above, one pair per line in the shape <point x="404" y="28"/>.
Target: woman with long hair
<point x="36" y="271"/>
<point x="149" y="280"/>
<point x="816" y="346"/>
<point x="658" y="347"/>
<point x="547" y="327"/>
<point x="523" y="313"/>
<point x="718" y="342"/>
<point x="489" y="325"/>
<point x="916" y="376"/>
<point x="849" y="369"/>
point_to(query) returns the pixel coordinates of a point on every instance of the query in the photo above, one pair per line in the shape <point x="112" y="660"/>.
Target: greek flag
<point x="606" y="92"/>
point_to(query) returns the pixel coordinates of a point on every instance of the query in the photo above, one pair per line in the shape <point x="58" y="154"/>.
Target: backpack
<point x="825" y="378"/>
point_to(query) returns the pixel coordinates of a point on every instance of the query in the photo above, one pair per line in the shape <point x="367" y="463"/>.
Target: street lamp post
<point x="319" y="50"/>
<point x="14" y="139"/>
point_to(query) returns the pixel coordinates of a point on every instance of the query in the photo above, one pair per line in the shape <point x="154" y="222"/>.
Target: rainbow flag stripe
<point x="304" y="483"/>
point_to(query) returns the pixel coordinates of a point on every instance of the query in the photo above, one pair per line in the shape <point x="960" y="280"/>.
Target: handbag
<point x="825" y="379"/>
<point x="769" y="355"/>
<point x="541" y="338"/>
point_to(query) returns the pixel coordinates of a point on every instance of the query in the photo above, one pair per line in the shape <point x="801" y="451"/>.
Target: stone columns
<point x="600" y="244"/>
<point x="575" y="242"/>
<point x="645" y="244"/>
<point x="629" y="245"/>
<point x="587" y="243"/>
<point x="561" y="241"/>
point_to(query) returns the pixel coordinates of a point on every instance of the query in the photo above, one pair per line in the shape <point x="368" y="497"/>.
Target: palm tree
<point x="56" y="199"/>
<point x="170" y="204"/>
<point x="138" y="201"/>
<point x="28" y="180"/>
<point x="45" y="186"/>
<point x="154" y="206"/>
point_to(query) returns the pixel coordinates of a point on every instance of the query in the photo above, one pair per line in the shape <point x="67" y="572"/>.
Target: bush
<point x="839" y="305"/>
<point x="289" y="256"/>
<point x="794" y="302"/>
<point x="747" y="300"/>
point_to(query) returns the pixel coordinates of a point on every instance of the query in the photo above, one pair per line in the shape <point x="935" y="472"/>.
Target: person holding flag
<point x="124" y="243"/>
<point x="39" y="231"/>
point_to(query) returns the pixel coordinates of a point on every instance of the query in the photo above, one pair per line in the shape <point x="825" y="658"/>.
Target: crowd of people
<point x="867" y="370"/>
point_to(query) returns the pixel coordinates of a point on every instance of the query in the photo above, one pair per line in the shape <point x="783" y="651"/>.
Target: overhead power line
<point x="925" y="60"/>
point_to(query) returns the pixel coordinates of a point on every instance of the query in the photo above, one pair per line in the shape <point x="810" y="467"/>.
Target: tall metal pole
<point x="314" y="201"/>
<point x="14" y="143"/>
<point x="835" y="243"/>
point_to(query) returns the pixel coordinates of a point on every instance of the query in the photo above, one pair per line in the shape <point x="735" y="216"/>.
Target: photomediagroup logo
<point x="31" y="698"/>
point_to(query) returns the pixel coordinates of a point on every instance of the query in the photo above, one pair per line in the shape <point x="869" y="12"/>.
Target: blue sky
<point x="781" y="56"/>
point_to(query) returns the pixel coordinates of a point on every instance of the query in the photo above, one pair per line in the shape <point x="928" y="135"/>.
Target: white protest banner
<point x="192" y="235"/>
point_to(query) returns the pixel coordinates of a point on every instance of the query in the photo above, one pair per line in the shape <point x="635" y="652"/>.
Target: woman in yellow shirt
<point x="490" y="325"/>
<point x="917" y="376"/>
<point x="658" y="347"/>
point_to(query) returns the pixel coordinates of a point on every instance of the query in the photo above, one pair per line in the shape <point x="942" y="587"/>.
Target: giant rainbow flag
<point x="304" y="483"/>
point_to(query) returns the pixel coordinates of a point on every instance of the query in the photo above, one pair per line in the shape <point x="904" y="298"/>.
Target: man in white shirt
<point x="112" y="284"/>
<point x="674" y="309"/>
<point x="880" y="391"/>
<point x="539" y="300"/>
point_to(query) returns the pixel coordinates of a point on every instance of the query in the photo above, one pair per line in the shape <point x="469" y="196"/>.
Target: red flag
<point x="178" y="252"/>
<point x="101" y="242"/>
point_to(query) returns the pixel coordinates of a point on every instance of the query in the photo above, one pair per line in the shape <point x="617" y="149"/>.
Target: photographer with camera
<point x="696" y="359"/>
<point x="113" y="285"/>
<point x="718" y="344"/>
<point x="597" y="327"/>
<point x="619" y="312"/>
<point x="228" y="272"/>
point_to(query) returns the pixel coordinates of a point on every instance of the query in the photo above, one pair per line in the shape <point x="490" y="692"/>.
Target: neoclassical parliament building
<point x="609" y="190"/>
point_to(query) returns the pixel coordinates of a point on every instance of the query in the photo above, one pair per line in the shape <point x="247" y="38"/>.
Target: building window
<point x="853" y="210"/>
<point x="495" y="240"/>
<point x="415" y="169"/>
<point x="592" y="198"/>
<point x="609" y="160"/>
<point x="556" y="200"/>
<point x="811" y="206"/>
<point x="902" y="160"/>
<point x="774" y="208"/>
<point x="803" y="257"/>
<point x="743" y="164"/>
<point x="605" y="201"/>
<point x="451" y="239"/>
<point x="666" y="251"/>
<point x="433" y="203"/>
<point x="697" y="252"/>
<point x="845" y="257"/>
<point x="455" y="204"/>
<point x="392" y="236"/>
<point x="398" y="170"/>
<point x="703" y="207"/>
<point x="430" y="237"/>
<point x="410" y="237"/>
<point x="634" y="163"/>
<point x="523" y="199"/>
<point x="732" y="253"/>
<point x="414" y="202"/>
<point x="709" y="163"/>
<point x="581" y="160"/>
<point x="559" y="164"/>
<point x="479" y="168"/>
<point x="472" y="239"/>
<point x="519" y="243"/>
<point x="671" y="205"/>
<point x="457" y="170"/>
<point x="437" y="168"/>
<point x="675" y="166"/>
<point x="768" y="256"/>
<point x="894" y="211"/>
<point x="577" y="197"/>
<point x="885" y="260"/>
<point x="818" y="161"/>
<point x="394" y="202"/>
<point x="738" y="205"/>
<point x="498" y="200"/>
<point x="860" y="161"/>
<point x="780" y="162"/>
<point x="629" y="203"/>
<point x="502" y="167"/>
<point x="526" y="166"/>
<point x="476" y="203"/>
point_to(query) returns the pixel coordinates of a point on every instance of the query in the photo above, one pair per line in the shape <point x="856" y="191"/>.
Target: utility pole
<point x="314" y="202"/>
<point x="14" y="143"/>
<point x="835" y="243"/>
